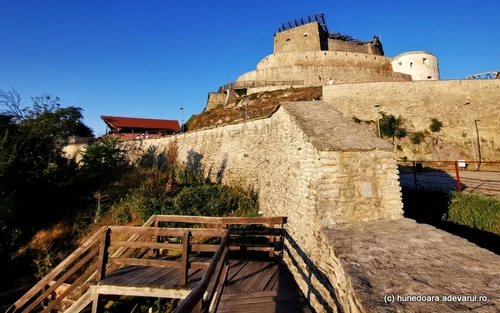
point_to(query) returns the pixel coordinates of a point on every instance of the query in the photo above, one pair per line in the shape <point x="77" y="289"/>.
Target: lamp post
<point x="478" y="145"/>
<point x="182" y="119"/>
<point x="377" y="106"/>
<point x="469" y="122"/>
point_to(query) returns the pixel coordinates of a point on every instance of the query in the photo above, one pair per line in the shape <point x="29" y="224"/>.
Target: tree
<point x="32" y="164"/>
<point x="392" y="127"/>
<point x="103" y="155"/>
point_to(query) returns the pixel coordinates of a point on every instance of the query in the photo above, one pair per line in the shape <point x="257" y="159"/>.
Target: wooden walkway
<point x="256" y="286"/>
<point x="128" y="261"/>
<point x="262" y="287"/>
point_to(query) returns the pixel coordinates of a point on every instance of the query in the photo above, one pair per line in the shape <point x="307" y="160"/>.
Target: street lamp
<point x="377" y="106"/>
<point x="182" y="119"/>
<point x="478" y="145"/>
<point x="470" y="130"/>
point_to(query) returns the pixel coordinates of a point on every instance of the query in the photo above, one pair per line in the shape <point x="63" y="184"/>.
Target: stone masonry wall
<point x="420" y="101"/>
<point x="302" y="38"/>
<point x="354" y="183"/>
<point x="326" y="58"/>
<point x="340" y="45"/>
<point x="319" y="75"/>
<point x="289" y="161"/>
<point x="215" y="99"/>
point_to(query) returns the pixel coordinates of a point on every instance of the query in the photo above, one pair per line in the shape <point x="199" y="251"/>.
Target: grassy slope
<point x="258" y="105"/>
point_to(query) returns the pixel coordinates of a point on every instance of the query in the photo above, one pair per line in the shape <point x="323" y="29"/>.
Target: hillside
<point x="257" y="105"/>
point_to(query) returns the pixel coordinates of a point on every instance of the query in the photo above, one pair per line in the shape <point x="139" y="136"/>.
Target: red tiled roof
<point x="134" y="122"/>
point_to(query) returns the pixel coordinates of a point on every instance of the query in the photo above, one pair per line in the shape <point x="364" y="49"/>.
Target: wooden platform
<point x="262" y="287"/>
<point x="252" y="286"/>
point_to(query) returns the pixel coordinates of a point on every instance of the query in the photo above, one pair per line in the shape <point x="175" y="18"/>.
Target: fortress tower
<point x="420" y="65"/>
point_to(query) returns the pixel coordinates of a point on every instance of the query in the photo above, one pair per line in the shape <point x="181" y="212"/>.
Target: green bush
<point x="436" y="125"/>
<point x="392" y="127"/>
<point x="399" y="147"/>
<point x="417" y="138"/>
<point x="478" y="212"/>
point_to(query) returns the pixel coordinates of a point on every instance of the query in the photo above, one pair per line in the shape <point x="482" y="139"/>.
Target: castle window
<point x="411" y="65"/>
<point x="429" y="77"/>
<point x="325" y="53"/>
<point x="306" y="34"/>
<point x="288" y="39"/>
<point x="426" y="62"/>
<point x="400" y="63"/>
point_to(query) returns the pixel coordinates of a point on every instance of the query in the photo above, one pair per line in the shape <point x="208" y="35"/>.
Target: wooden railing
<point x="211" y="283"/>
<point x="90" y="262"/>
<point x="83" y="259"/>
<point x="153" y="233"/>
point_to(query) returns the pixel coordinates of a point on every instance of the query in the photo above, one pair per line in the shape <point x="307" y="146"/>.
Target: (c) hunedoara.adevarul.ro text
<point x="429" y="298"/>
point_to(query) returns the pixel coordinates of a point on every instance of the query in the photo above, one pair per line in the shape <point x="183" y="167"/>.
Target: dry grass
<point x="258" y="105"/>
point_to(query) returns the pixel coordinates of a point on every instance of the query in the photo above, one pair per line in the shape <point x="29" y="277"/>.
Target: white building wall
<point x="420" y="65"/>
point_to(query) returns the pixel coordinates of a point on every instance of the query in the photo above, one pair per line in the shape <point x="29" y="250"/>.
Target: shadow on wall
<point x="291" y="248"/>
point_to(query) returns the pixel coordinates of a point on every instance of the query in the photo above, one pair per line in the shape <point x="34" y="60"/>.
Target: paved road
<point x="472" y="182"/>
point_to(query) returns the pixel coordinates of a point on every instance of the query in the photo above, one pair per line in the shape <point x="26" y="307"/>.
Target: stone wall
<point x="215" y="100"/>
<point x="320" y="75"/>
<point x="308" y="163"/>
<point x="326" y="58"/>
<point x="341" y="45"/>
<point x="302" y="38"/>
<point x="420" y="101"/>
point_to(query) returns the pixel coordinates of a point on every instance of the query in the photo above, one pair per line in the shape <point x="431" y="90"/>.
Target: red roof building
<point x="132" y="126"/>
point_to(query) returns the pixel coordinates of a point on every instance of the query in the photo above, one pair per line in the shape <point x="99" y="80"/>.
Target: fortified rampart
<point x="321" y="75"/>
<point x="417" y="102"/>
<point x="305" y="167"/>
<point x="338" y="185"/>
<point x="326" y="58"/>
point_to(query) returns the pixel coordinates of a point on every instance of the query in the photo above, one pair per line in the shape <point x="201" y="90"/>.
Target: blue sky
<point x="149" y="58"/>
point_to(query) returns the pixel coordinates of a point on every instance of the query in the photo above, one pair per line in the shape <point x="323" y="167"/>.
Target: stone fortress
<point x="306" y="53"/>
<point x="409" y="85"/>
<point x="347" y="243"/>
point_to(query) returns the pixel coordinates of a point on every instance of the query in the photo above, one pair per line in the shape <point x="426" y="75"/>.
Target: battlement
<point x="311" y="33"/>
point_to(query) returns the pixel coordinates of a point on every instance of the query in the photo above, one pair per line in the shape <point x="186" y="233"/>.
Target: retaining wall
<point x="420" y="101"/>
<point x="305" y="167"/>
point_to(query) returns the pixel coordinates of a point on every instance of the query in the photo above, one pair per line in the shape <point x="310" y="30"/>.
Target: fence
<point x="460" y="175"/>
<point x="259" y="83"/>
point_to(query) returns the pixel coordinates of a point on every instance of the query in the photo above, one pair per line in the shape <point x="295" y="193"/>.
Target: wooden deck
<point x="256" y="286"/>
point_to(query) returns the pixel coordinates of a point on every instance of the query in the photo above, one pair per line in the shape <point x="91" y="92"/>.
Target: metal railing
<point x="320" y="18"/>
<point x="459" y="175"/>
<point x="258" y="83"/>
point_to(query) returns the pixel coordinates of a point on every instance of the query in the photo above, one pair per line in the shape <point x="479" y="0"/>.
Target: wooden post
<point x="103" y="254"/>
<point x="271" y="241"/>
<point x="95" y="303"/>
<point x="156" y="252"/>
<point x="185" y="257"/>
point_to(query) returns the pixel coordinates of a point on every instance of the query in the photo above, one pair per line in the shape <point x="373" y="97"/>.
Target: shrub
<point x="399" y="147"/>
<point x="392" y="127"/>
<point x="436" y="125"/>
<point x="103" y="155"/>
<point x="478" y="212"/>
<point x="417" y="138"/>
